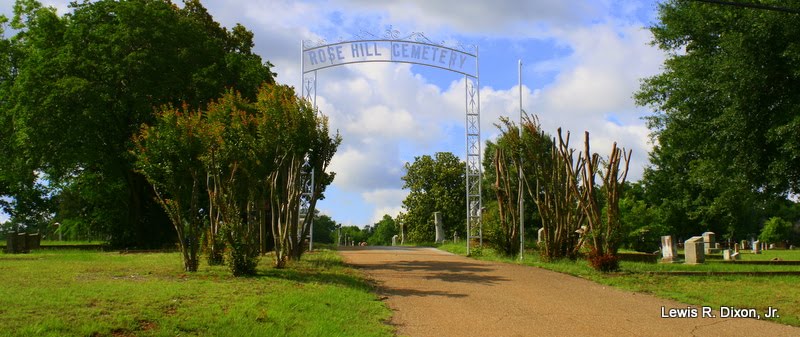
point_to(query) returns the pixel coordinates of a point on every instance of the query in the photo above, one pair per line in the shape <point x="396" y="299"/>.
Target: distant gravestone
<point x="21" y="244"/>
<point x="744" y="244"/>
<point x="694" y="250"/>
<point x="394" y="240"/>
<point x="437" y="218"/>
<point x="735" y="256"/>
<point x="33" y="241"/>
<point x="669" y="249"/>
<point x="756" y="247"/>
<point x="736" y="247"/>
<point x="540" y="236"/>
<point x="727" y="254"/>
<point x="708" y="242"/>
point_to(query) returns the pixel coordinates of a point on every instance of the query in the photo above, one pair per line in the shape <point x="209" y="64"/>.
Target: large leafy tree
<point x="383" y="232"/>
<point x="76" y="87"/>
<point x="324" y="229"/>
<point x="728" y="115"/>
<point x="436" y="184"/>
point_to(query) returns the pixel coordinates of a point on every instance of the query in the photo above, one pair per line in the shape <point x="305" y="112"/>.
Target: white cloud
<point x="386" y="201"/>
<point x="507" y="17"/>
<point x="594" y="87"/>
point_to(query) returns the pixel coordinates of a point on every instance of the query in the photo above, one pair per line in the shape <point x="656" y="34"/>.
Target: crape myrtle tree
<point x="573" y="208"/>
<point x="242" y="154"/>
<point x="727" y="116"/>
<point x="76" y="87"/>
<point x="501" y="187"/>
<point x="435" y="184"/>
<point x="168" y="155"/>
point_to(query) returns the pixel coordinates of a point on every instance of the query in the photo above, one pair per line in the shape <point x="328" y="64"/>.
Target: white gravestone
<point x="437" y="216"/>
<point x="669" y="249"/>
<point x="694" y="250"/>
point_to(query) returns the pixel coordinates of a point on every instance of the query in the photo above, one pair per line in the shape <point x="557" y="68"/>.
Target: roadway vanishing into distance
<point x="435" y="293"/>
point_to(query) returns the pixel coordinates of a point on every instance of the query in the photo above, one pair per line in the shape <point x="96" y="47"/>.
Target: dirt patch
<point x="145" y="325"/>
<point x="434" y="293"/>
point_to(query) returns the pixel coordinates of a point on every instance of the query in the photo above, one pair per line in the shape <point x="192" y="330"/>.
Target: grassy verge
<point x="740" y="291"/>
<point x="78" y="293"/>
<point x="70" y="243"/>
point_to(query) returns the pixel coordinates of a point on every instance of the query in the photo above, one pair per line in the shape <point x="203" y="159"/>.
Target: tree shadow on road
<point x="447" y="271"/>
<point x="388" y="291"/>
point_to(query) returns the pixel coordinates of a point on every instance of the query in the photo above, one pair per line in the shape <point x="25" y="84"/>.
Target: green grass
<point x="78" y="293"/>
<point x="741" y="291"/>
<point x="70" y="243"/>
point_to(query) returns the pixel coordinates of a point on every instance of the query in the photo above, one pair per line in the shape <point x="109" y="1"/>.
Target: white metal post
<point x="520" y="193"/>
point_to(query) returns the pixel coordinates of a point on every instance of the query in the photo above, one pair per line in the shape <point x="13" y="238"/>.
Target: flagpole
<point x="519" y="169"/>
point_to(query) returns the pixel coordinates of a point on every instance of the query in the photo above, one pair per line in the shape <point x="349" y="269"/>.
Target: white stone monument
<point x="669" y="249"/>
<point x="437" y="216"/>
<point x="694" y="250"/>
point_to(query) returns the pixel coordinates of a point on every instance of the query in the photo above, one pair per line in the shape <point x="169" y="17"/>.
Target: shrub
<point x="604" y="263"/>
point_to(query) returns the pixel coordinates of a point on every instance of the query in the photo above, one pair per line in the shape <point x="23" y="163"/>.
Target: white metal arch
<point x="413" y="49"/>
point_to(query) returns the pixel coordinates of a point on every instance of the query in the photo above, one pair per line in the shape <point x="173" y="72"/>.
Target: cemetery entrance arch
<point x="414" y="49"/>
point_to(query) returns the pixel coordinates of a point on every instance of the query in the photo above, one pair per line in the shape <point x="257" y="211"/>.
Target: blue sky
<point x="582" y="61"/>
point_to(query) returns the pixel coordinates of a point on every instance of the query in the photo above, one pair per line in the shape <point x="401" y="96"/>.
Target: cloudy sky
<point x="582" y="61"/>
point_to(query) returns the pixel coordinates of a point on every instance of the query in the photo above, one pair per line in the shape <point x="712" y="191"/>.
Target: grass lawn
<point x="79" y="293"/>
<point x="740" y="291"/>
<point x="70" y="243"/>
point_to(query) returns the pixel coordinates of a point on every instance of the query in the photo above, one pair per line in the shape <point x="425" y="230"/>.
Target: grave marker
<point x="694" y="250"/>
<point x="669" y="249"/>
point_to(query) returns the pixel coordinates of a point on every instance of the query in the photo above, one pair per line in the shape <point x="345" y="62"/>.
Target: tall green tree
<point x="383" y="232"/>
<point x="324" y="229"/>
<point x="101" y="70"/>
<point x="727" y="115"/>
<point x="435" y="184"/>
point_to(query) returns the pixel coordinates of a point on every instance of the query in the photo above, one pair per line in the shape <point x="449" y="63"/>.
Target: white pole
<point x="519" y="169"/>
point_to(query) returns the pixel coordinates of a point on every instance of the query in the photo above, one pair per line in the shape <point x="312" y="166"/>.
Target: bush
<point x="242" y="254"/>
<point x="495" y="236"/>
<point x="604" y="263"/>
<point x="775" y="230"/>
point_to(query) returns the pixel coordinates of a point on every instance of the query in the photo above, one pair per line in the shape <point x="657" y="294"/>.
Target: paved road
<point x="435" y="293"/>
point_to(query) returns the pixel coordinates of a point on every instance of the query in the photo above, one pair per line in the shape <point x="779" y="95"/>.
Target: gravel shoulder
<point x="435" y="293"/>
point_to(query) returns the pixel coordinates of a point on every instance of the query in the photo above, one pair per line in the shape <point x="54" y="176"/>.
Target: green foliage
<point x="354" y="234"/>
<point x="435" y="184"/>
<point x="383" y="231"/>
<point x="168" y="155"/>
<point x="775" y="230"/>
<point x="245" y="158"/>
<point x="726" y="120"/>
<point x="641" y="223"/>
<point x="101" y="70"/>
<point x="324" y="229"/>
